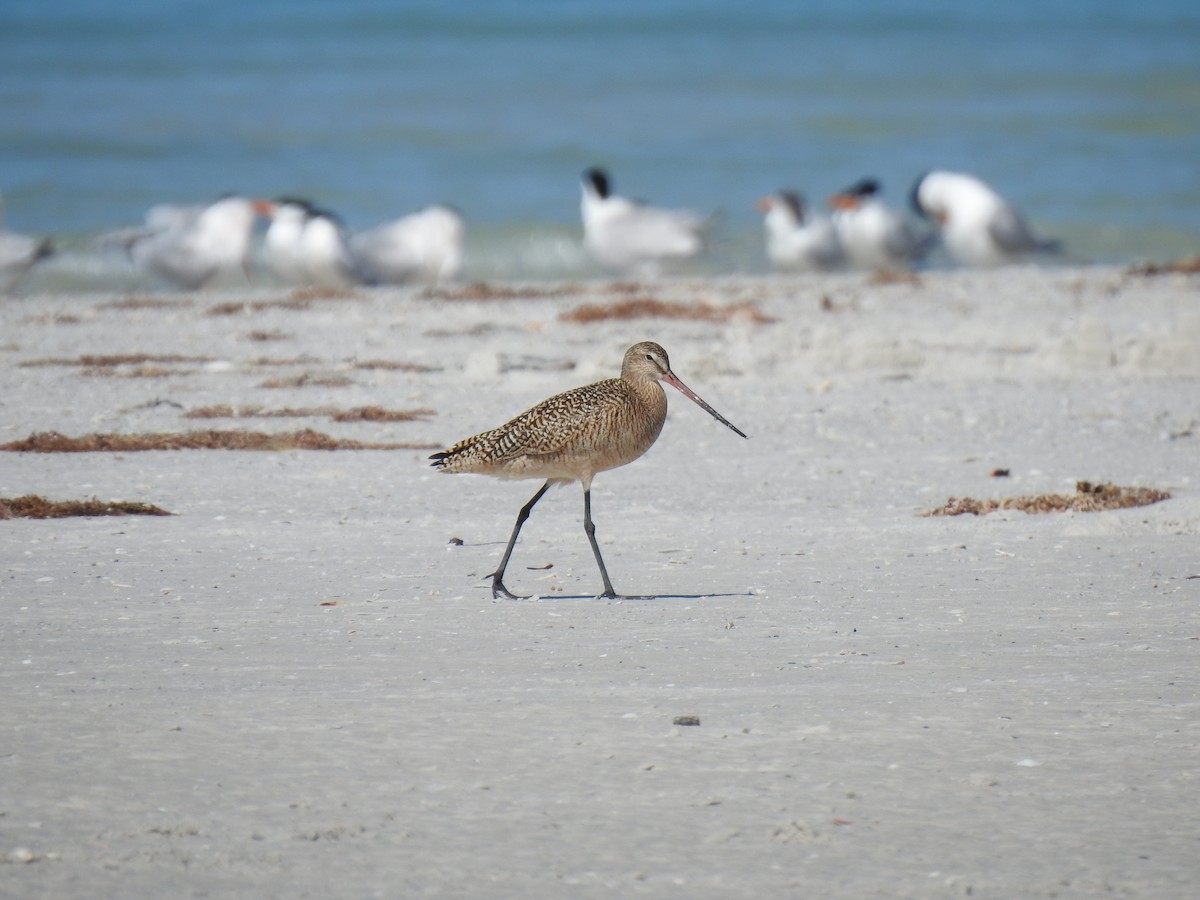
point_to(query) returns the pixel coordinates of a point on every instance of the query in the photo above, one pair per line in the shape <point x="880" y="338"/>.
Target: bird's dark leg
<point x="498" y="588"/>
<point x="590" y="528"/>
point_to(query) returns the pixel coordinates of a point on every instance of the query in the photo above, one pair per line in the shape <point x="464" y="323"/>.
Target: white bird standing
<point x="631" y="237"/>
<point x="18" y="252"/>
<point x="796" y="238"/>
<point x="874" y="235"/>
<point x="423" y="246"/>
<point x="307" y="246"/>
<point x="325" y="252"/>
<point x="171" y="216"/>
<point x="978" y="226"/>
<point x="281" y="242"/>
<point x="191" y="248"/>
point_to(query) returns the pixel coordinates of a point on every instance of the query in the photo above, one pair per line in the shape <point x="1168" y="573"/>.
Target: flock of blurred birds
<point x="190" y="247"/>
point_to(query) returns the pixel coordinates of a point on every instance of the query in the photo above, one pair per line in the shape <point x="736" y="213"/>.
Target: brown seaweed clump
<point x="144" y="301"/>
<point x="1189" y="265"/>
<point x="388" y="365"/>
<point x="115" y="360"/>
<point x="1088" y="497"/>
<point x="307" y="379"/>
<point x="305" y="439"/>
<point x="481" y="291"/>
<point x="299" y="299"/>
<point x="651" y="308"/>
<point x="32" y="506"/>
<point x="355" y="414"/>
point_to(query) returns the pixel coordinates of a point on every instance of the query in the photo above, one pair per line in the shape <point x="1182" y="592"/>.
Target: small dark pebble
<point x="998" y="473"/>
<point x="687" y="720"/>
<point x="456" y="542"/>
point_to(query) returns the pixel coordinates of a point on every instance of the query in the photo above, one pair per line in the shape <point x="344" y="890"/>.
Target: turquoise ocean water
<point x="1085" y="114"/>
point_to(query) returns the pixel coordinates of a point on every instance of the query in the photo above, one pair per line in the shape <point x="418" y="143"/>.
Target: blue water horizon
<point x="1085" y="115"/>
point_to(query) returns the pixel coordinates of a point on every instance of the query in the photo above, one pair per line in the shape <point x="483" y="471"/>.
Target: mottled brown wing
<point x="558" y="424"/>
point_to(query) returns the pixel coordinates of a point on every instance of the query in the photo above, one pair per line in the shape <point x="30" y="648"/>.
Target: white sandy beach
<point x="299" y="685"/>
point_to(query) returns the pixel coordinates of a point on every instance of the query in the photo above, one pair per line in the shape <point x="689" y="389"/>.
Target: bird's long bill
<point x="673" y="380"/>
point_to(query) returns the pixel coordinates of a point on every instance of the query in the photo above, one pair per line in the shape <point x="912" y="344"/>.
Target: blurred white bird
<point x="18" y="252"/>
<point x="797" y="239"/>
<point x="325" y="252"/>
<point x="978" y="226"/>
<point x="873" y="234"/>
<point x="191" y="246"/>
<point x="629" y="236"/>
<point x="307" y="246"/>
<point x="423" y="246"/>
<point x="281" y="242"/>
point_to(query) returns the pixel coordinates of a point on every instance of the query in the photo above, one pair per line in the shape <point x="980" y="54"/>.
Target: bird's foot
<point x="500" y="592"/>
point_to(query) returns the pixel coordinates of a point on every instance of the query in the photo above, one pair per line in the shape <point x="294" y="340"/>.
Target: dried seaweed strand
<point x="32" y="506"/>
<point x="1088" y="497"/>
<point x="305" y="439"/>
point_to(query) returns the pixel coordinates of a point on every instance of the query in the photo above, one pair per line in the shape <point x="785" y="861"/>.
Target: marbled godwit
<point x="573" y="435"/>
